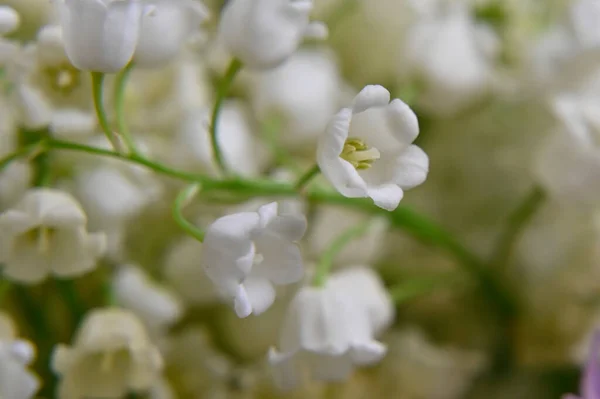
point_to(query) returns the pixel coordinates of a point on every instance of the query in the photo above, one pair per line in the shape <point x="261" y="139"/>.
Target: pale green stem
<point x="307" y="177"/>
<point x="222" y="92"/>
<point x="328" y="257"/>
<point x="183" y="199"/>
<point x="98" y="94"/>
<point x="120" y="90"/>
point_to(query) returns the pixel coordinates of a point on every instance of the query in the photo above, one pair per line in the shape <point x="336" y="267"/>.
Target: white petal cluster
<point x="264" y="33"/>
<point x="45" y="233"/>
<point x="245" y="253"/>
<point x="110" y="356"/>
<point x="16" y="381"/>
<point x="366" y="150"/>
<point x="330" y="330"/>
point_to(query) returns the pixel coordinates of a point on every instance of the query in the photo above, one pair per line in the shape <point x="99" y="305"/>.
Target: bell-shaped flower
<point x="158" y="307"/>
<point x="374" y="297"/>
<point x="366" y="150"/>
<point x="111" y="356"/>
<point x="264" y="33"/>
<point x="100" y="35"/>
<point x="165" y="30"/>
<point x="590" y="381"/>
<point x="9" y="20"/>
<point x="16" y="381"/>
<point x="245" y="253"/>
<point x="45" y="233"/>
<point x="324" y="334"/>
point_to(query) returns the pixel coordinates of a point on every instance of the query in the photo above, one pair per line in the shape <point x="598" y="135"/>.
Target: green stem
<point x="182" y="200"/>
<point x="98" y="94"/>
<point x="404" y="218"/>
<point x="222" y="92"/>
<point x="515" y="224"/>
<point x="22" y="152"/>
<point x="416" y="287"/>
<point x="120" y="86"/>
<point x="5" y="286"/>
<point x="326" y="262"/>
<point x="70" y="295"/>
<point x="307" y="177"/>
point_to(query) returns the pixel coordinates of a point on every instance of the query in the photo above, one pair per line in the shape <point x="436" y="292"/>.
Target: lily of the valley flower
<point x="264" y="33"/>
<point x="111" y="356"/>
<point x="366" y="150"/>
<point x="100" y="35"/>
<point x="45" y="233"/>
<point x="324" y="334"/>
<point x="165" y="30"/>
<point x="590" y="382"/>
<point x="16" y="382"/>
<point x="245" y="253"/>
<point x="9" y="20"/>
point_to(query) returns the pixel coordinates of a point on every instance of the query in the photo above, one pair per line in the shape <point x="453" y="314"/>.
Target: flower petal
<point x="411" y="167"/>
<point x="386" y="196"/>
<point x="282" y="260"/>
<point x="370" y="96"/>
<point x="260" y="293"/>
<point x="291" y="226"/>
<point x="241" y="302"/>
<point x="403" y="121"/>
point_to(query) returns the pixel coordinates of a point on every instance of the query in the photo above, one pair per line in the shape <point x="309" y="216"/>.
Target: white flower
<point x="155" y="305"/>
<point x="16" y="382"/>
<point x="453" y="56"/>
<point x="100" y="35"/>
<point x="264" y="33"/>
<point x="111" y="356"/>
<point x="15" y="180"/>
<point x="165" y="29"/>
<point x="9" y="20"/>
<point x="45" y="233"/>
<point x="324" y="334"/>
<point x="374" y="297"/>
<point x="245" y="253"/>
<point x="72" y="123"/>
<point x="366" y="150"/>
<point x="304" y="92"/>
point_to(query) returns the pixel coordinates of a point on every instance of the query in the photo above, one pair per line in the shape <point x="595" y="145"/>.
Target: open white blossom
<point x="100" y="35"/>
<point x="45" y="233"/>
<point x="264" y="33"/>
<point x="324" y="334"/>
<point x="9" y="20"/>
<point x="111" y="356"/>
<point x="366" y="150"/>
<point x="245" y="253"/>
<point x="165" y="30"/>
<point x="157" y="306"/>
<point x="16" y="382"/>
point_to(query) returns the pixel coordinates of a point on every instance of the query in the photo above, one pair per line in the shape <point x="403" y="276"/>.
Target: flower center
<point x="358" y="153"/>
<point x="63" y="78"/>
<point x="41" y="236"/>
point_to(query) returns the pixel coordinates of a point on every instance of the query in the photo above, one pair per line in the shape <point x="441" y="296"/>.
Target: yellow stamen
<point x="359" y="154"/>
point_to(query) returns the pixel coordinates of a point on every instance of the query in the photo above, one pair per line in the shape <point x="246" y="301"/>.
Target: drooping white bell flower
<point x="100" y="35"/>
<point x="245" y="253"/>
<point x="264" y="33"/>
<point x="324" y="334"/>
<point x="16" y="382"/>
<point x="366" y="150"/>
<point x="15" y="180"/>
<point x="158" y="307"/>
<point x="374" y="298"/>
<point x="45" y="233"/>
<point x="111" y="356"/>
<point x="165" y="30"/>
<point x="9" y="20"/>
<point x="304" y="93"/>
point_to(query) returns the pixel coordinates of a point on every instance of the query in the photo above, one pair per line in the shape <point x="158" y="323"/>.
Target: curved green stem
<point x="307" y="177"/>
<point x="120" y="86"/>
<point x="183" y="199"/>
<point x="222" y="92"/>
<point x="404" y="218"/>
<point x="23" y="152"/>
<point x="98" y="94"/>
<point x="327" y="258"/>
<point x="516" y="222"/>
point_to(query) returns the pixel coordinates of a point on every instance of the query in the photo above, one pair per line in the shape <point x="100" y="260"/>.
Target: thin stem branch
<point x="339" y="243"/>
<point x="234" y="67"/>
<point x="98" y="94"/>
<point x="307" y="177"/>
<point x="120" y="89"/>
<point x="182" y="200"/>
<point x="515" y="224"/>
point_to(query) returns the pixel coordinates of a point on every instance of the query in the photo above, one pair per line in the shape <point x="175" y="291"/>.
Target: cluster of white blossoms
<point x="214" y="199"/>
